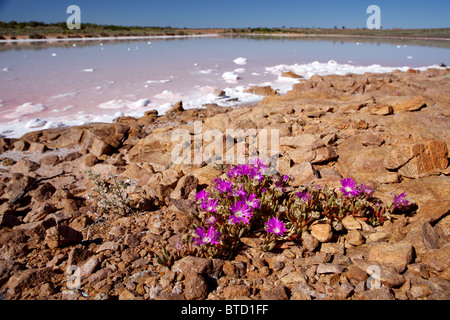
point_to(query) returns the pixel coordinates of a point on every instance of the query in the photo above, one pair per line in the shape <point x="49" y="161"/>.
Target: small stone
<point x="196" y="287"/>
<point x="322" y="232"/>
<point x="420" y="291"/>
<point x="90" y="160"/>
<point x="276" y="293"/>
<point x="192" y="264"/>
<point x="126" y="295"/>
<point x="236" y="291"/>
<point x="351" y="223"/>
<point x="309" y="242"/>
<point x="376" y="294"/>
<point x="355" y="238"/>
<point x="278" y="265"/>
<point x="60" y="236"/>
<point x="329" y="268"/>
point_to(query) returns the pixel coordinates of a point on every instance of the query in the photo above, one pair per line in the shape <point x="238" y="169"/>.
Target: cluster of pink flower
<point x="241" y="204"/>
<point x="235" y="201"/>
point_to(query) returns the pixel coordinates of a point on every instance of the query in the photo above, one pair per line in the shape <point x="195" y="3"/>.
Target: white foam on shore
<point x="25" y="109"/>
<point x="23" y="119"/>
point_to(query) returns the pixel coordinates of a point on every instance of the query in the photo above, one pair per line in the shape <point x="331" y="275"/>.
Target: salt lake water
<point x="55" y="84"/>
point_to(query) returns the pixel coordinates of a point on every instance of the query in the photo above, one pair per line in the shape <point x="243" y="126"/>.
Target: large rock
<point x="185" y="186"/>
<point x="413" y="104"/>
<point x="100" y="139"/>
<point x="20" y="281"/>
<point x="363" y="163"/>
<point x="303" y="173"/>
<point x="399" y="255"/>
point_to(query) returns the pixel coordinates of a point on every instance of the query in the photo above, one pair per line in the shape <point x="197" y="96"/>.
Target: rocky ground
<point x="390" y="131"/>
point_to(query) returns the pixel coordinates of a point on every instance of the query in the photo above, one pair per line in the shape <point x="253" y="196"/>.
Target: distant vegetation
<point x="343" y="31"/>
<point x="41" y="30"/>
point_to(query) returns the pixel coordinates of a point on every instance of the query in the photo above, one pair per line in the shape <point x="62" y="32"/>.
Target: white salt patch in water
<point x="158" y="81"/>
<point x="6" y="69"/>
<point x="240" y="61"/>
<point x="230" y="77"/>
<point x="139" y="104"/>
<point x="409" y="57"/>
<point x="65" y="95"/>
<point x="53" y="54"/>
<point x="206" y="71"/>
<point x="239" y="70"/>
<point x="26" y="109"/>
<point x="88" y="70"/>
<point x="68" y="108"/>
<point x="114" y="104"/>
<point x="167" y="95"/>
<point x="35" y="123"/>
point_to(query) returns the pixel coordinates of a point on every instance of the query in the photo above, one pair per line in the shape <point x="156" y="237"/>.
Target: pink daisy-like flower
<point x="243" y="169"/>
<point x="224" y="186"/>
<point x="238" y="193"/>
<point x="211" y="220"/>
<point x="241" y="213"/>
<point x="275" y="226"/>
<point x="258" y="163"/>
<point x="400" y="200"/>
<point x="365" y="189"/>
<point x="232" y="172"/>
<point x="205" y="237"/>
<point x="209" y="205"/>
<point x="202" y="195"/>
<point x="304" y="196"/>
<point x="349" y="188"/>
<point x="252" y="201"/>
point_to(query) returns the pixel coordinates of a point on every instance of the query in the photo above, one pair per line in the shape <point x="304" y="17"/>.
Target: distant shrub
<point x="36" y="36"/>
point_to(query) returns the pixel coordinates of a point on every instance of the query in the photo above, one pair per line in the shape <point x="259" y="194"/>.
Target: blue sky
<point x="234" y="13"/>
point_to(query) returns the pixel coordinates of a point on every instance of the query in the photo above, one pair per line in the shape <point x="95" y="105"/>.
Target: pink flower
<point x="349" y="188"/>
<point x="238" y="193"/>
<point x="275" y="226"/>
<point x="365" y="189"/>
<point x="206" y="237"/>
<point x="211" y="220"/>
<point x="210" y="205"/>
<point x="202" y="195"/>
<point x="400" y="200"/>
<point x="252" y="201"/>
<point x="241" y="213"/>
<point x="223" y="186"/>
<point x="304" y="196"/>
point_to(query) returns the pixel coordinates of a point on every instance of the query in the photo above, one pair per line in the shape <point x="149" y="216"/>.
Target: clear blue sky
<point x="234" y="13"/>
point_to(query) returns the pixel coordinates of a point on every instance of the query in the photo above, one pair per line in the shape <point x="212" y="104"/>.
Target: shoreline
<point x="287" y="35"/>
<point x="342" y="36"/>
<point x="109" y="38"/>
<point x="233" y="101"/>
